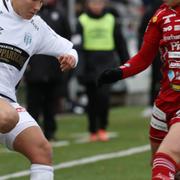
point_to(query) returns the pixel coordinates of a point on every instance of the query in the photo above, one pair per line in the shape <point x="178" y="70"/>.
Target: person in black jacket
<point x="100" y="40"/>
<point x="44" y="80"/>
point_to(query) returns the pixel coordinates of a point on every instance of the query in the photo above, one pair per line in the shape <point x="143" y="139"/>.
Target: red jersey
<point x="162" y="33"/>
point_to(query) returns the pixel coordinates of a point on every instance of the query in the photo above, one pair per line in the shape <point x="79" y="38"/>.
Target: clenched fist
<point x="67" y="62"/>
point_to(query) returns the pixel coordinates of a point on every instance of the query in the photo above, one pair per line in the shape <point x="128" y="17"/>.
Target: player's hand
<point x="110" y="76"/>
<point x="67" y="62"/>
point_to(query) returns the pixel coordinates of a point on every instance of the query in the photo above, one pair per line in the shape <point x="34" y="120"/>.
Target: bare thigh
<point x="171" y="143"/>
<point x="32" y="143"/>
<point x="8" y="116"/>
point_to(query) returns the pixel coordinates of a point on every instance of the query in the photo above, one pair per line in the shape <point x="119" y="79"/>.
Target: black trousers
<point x="41" y="98"/>
<point x="98" y="106"/>
<point x="156" y="77"/>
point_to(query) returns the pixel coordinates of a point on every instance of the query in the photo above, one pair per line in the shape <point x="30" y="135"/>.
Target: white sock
<point x="41" y="172"/>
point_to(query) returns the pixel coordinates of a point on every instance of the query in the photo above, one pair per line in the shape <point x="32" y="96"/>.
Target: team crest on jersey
<point x="27" y="38"/>
<point x="154" y="19"/>
<point x="171" y="75"/>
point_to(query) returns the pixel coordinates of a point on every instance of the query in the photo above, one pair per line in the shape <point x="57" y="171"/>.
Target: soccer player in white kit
<point x="23" y="34"/>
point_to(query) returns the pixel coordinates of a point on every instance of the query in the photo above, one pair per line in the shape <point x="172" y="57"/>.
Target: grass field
<point x="72" y="154"/>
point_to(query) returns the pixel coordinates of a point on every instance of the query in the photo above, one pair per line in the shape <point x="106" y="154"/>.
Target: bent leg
<point x="32" y="144"/>
<point x="8" y="116"/>
<point x="171" y="143"/>
<point x="28" y="139"/>
<point x="167" y="157"/>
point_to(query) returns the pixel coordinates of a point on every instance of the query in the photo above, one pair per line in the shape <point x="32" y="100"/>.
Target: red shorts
<point x="163" y="116"/>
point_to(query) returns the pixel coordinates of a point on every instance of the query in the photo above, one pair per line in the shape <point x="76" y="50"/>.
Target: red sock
<point x="164" y="167"/>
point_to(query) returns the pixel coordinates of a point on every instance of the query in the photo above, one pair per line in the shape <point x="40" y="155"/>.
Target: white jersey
<point x="19" y="40"/>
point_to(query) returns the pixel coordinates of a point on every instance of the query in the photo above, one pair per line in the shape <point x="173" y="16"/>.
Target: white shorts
<point x="25" y="121"/>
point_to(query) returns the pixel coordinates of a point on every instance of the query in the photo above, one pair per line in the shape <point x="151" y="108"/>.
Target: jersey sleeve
<point x="51" y="43"/>
<point x="146" y="54"/>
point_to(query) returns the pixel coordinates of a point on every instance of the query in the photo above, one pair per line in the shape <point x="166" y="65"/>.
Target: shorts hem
<point x="10" y="141"/>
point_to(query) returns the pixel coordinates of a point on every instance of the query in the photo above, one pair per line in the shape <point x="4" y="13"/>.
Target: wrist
<point x="120" y="73"/>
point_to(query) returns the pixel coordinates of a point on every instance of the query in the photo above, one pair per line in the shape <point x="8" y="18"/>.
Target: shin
<point x="32" y="143"/>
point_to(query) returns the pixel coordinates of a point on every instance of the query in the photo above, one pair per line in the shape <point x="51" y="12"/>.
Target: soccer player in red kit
<point x="163" y="33"/>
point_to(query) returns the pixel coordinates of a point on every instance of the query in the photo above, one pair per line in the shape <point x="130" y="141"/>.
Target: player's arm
<point x="52" y="44"/>
<point x="139" y="62"/>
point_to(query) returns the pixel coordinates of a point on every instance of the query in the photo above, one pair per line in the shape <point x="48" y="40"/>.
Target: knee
<point x="175" y="153"/>
<point x="47" y="149"/>
<point x="42" y="153"/>
<point x="8" y="120"/>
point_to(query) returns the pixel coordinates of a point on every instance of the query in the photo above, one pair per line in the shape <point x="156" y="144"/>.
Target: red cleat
<point x="103" y="136"/>
<point x="93" y="137"/>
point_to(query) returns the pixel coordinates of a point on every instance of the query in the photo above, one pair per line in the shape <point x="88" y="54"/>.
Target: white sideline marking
<point x="54" y="144"/>
<point x="86" y="160"/>
<point x="3" y="150"/>
<point x="80" y="138"/>
<point x="60" y="143"/>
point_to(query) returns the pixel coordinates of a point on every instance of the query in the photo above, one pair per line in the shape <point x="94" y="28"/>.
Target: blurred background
<point x="135" y="90"/>
<point x="132" y="91"/>
<point x="48" y="93"/>
<point x="59" y="103"/>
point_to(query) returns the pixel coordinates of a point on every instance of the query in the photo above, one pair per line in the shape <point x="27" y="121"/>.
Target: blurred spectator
<point x="121" y="1"/>
<point x="44" y="80"/>
<point x="99" y="42"/>
<point x="79" y="7"/>
<point x="146" y="2"/>
<point x="155" y="73"/>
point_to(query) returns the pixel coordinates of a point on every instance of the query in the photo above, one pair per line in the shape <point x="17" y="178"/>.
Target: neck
<point x="14" y="6"/>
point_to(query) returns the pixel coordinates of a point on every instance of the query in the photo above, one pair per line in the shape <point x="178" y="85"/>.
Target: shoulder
<point x="38" y="23"/>
<point x="38" y="20"/>
<point x="164" y="10"/>
<point x="43" y="28"/>
<point x="110" y="15"/>
<point x="82" y="16"/>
